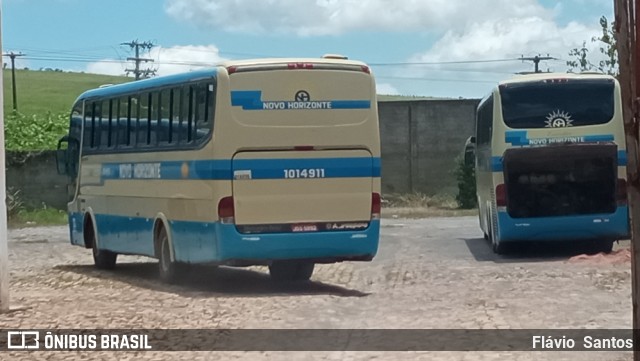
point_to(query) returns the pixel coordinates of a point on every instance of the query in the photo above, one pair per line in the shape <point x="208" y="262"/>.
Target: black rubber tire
<point x="168" y="271"/>
<point x="102" y="258"/>
<point x="291" y="271"/>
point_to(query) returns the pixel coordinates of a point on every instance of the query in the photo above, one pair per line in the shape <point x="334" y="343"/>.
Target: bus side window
<point x="142" y="120"/>
<point x="123" y="122"/>
<point x="134" y="111"/>
<point x="176" y="115"/>
<point x="105" y="123"/>
<point x="154" y="116"/>
<point x="164" y="118"/>
<point x="88" y="126"/>
<point x="203" y="110"/>
<point x="186" y="114"/>
<point x="96" y="114"/>
<point x="484" y="125"/>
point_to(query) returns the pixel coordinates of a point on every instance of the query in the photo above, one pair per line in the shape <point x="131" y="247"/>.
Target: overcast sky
<point x="474" y="42"/>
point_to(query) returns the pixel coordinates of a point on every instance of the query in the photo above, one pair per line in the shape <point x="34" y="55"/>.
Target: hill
<point x="55" y="91"/>
<point x="42" y="91"/>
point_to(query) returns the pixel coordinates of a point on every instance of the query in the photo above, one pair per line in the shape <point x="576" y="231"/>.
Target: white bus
<point x="551" y="161"/>
<point x="259" y="162"/>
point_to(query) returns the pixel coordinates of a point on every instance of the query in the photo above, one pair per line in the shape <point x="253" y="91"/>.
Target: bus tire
<point x="290" y="271"/>
<point x="498" y="247"/>
<point x="102" y="258"/>
<point x="167" y="268"/>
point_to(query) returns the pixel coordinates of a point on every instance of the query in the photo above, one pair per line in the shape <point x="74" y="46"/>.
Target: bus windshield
<point x="566" y="103"/>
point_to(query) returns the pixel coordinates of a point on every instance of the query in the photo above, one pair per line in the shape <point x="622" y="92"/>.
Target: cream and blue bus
<point x="551" y="161"/>
<point x="259" y="162"/>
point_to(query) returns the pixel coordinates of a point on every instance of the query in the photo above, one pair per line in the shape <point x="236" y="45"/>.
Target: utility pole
<point x="13" y="57"/>
<point x="536" y="60"/>
<point x="627" y="14"/>
<point x="4" y="252"/>
<point x="137" y="71"/>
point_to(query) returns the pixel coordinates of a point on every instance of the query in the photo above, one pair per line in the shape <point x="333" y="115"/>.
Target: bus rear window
<point x="549" y="104"/>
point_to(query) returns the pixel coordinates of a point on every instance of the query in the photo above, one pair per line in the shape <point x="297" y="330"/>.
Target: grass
<point x="40" y="92"/>
<point x="418" y="205"/>
<point x="37" y="217"/>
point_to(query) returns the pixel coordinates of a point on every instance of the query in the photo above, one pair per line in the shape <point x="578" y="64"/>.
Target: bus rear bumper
<point x="229" y="247"/>
<point x="612" y="226"/>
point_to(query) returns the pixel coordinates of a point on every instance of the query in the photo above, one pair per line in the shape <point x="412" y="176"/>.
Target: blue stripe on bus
<point x="203" y="242"/>
<point x="252" y="100"/>
<point x="622" y="158"/>
<point x="496" y="161"/>
<point x="260" y="168"/>
<point x="580" y="227"/>
<point x="520" y="137"/>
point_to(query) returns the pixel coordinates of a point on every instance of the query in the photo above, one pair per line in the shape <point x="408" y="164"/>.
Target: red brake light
<point x="366" y="69"/>
<point x="226" y="211"/>
<point x="375" y="205"/>
<point x="232" y="69"/>
<point x="621" y="192"/>
<point x="501" y="195"/>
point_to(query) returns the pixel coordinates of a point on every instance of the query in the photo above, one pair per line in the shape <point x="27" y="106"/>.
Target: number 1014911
<point x="304" y="173"/>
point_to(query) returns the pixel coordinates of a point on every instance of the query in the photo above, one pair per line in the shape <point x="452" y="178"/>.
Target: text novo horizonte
<point x="295" y="105"/>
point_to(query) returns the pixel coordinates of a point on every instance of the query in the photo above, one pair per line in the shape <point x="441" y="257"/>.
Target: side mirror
<point x="62" y="158"/>
<point x="470" y="151"/>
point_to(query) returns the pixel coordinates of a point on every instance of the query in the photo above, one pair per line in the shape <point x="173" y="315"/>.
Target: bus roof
<point x="267" y="61"/>
<point x="141" y="85"/>
<point x="547" y="76"/>
<point x="168" y="80"/>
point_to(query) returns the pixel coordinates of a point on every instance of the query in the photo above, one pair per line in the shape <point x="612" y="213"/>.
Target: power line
<point x="13" y="57"/>
<point x="137" y="71"/>
<point x="536" y="60"/>
<point x="446" y="62"/>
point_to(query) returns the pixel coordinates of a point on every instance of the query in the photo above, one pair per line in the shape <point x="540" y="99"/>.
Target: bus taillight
<point x="300" y="66"/>
<point x="375" y="205"/>
<point x="501" y="196"/>
<point x="226" y="211"/>
<point x="621" y="192"/>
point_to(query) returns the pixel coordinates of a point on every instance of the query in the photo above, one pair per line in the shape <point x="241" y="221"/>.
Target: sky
<point x="436" y="48"/>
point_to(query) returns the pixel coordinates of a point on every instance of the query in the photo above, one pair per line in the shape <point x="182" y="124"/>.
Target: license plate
<point x="304" y="228"/>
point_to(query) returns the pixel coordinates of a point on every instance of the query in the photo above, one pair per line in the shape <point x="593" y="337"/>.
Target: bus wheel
<point x="102" y="258"/>
<point x="497" y="246"/>
<point x="168" y="270"/>
<point x="291" y="270"/>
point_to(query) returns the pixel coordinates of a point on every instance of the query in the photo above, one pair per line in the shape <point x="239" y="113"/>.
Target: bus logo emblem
<point x="558" y="119"/>
<point x="302" y="96"/>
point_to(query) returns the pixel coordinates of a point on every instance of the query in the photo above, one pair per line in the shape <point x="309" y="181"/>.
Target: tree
<point x="607" y="43"/>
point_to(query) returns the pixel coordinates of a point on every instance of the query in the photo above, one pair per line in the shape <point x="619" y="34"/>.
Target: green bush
<point x="34" y="132"/>
<point x="466" y="178"/>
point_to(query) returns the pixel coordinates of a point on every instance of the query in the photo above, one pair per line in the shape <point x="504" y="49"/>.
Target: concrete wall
<point x="420" y="141"/>
<point x="37" y="178"/>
